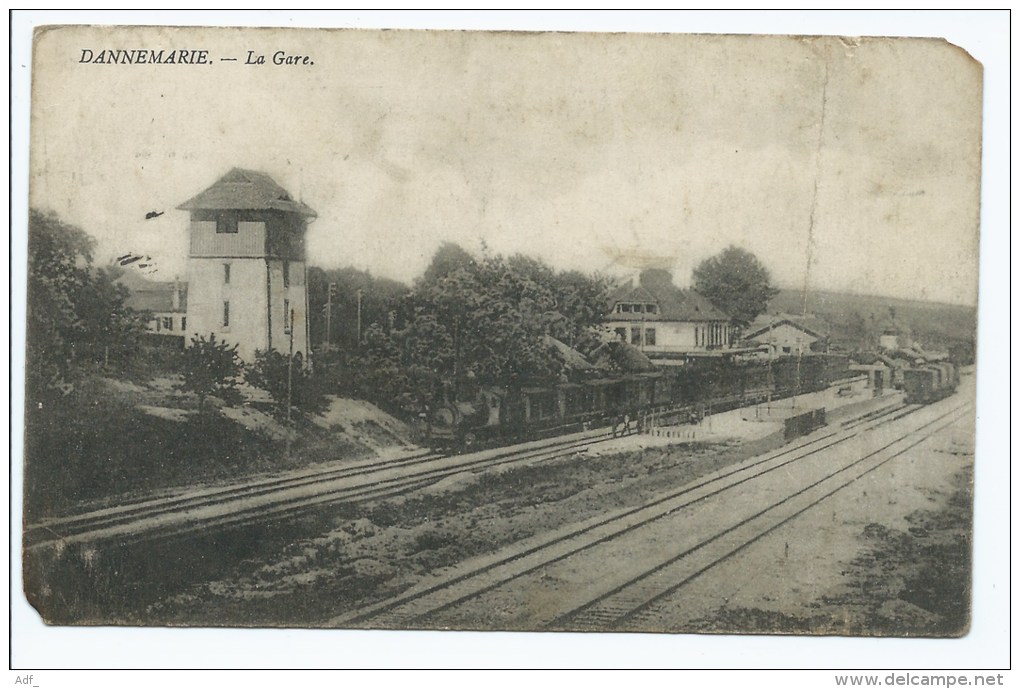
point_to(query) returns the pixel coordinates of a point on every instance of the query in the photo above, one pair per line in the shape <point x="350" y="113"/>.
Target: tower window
<point x="226" y="273"/>
<point x="287" y="321"/>
<point x="226" y="314"/>
<point x="226" y="224"/>
<point x="286" y="273"/>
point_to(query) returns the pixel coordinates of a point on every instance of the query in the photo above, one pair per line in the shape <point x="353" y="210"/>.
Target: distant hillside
<point x="857" y="320"/>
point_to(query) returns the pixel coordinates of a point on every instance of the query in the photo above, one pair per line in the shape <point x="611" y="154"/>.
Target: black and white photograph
<point x="492" y="331"/>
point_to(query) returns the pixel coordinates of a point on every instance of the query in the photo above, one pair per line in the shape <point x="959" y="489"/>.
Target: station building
<point x="667" y="323"/>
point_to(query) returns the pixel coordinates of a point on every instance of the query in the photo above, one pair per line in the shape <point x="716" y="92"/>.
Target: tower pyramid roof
<point x="242" y="189"/>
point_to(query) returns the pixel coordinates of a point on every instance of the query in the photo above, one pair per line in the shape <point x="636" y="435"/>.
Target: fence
<point x="802" y="424"/>
<point x="682" y="422"/>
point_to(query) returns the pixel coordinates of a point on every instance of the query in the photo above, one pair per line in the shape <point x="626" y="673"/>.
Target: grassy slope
<point x="100" y="444"/>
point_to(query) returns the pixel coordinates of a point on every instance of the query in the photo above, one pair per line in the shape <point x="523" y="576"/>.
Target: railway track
<point x="423" y="606"/>
<point x="286" y="496"/>
<point x="632" y="604"/>
<point x="77" y="523"/>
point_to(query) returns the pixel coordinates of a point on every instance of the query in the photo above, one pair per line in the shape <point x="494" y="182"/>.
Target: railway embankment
<point x="116" y="441"/>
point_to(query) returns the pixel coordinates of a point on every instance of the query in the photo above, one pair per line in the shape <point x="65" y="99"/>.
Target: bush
<point x="211" y="368"/>
<point x="270" y="373"/>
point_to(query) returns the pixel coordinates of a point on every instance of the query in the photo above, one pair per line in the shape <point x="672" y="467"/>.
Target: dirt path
<point x="887" y="556"/>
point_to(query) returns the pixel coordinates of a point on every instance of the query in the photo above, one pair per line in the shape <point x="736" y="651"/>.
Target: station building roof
<point x="672" y="303"/>
<point x="811" y="325"/>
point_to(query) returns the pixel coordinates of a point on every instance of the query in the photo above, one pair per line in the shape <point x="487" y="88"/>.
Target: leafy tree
<point x="487" y="319"/>
<point x="59" y="256"/>
<point x="109" y="327"/>
<point x="270" y="373"/>
<point x="494" y="317"/>
<point x="379" y="372"/>
<point x="211" y="368"/>
<point x="736" y="283"/>
<point x="76" y="314"/>
<point x="466" y="321"/>
<point x="448" y="258"/>
<point x="581" y="299"/>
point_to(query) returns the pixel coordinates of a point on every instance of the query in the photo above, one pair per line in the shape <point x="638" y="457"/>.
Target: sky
<point x="849" y="165"/>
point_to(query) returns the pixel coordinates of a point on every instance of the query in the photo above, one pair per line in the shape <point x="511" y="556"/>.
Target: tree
<point x="467" y="321"/>
<point x="581" y="299"/>
<point x="59" y="256"/>
<point x="211" y="368"/>
<point x="76" y="313"/>
<point x="270" y="373"/>
<point x="736" y="283"/>
<point x="494" y="315"/>
<point x="109" y="328"/>
<point x="378" y="371"/>
<point x="448" y="258"/>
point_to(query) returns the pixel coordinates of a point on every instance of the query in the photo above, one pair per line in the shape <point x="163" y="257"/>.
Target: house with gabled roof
<point x="246" y="264"/>
<point x="665" y="322"/>
<point x="165" y="302"/>
<point x="787" y="334"/>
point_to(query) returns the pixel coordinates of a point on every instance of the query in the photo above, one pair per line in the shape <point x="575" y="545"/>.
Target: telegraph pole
<point x="329" y="310"/>
<point x="359" y="319"/>
<point x="290" y="378"/>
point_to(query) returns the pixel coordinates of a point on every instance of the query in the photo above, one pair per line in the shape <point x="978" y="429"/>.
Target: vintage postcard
<point x="501" y="331"/>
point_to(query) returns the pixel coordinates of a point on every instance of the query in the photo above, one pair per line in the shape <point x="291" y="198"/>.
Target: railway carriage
<point x="493" y="415"/>
<point x="929" y="383"/>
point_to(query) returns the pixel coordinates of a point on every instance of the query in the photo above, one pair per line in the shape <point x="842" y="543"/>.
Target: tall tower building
<point x="246" y="265"/>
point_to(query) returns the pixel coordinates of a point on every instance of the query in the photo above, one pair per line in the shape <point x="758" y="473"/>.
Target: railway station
<point x="568" y="332"/>
<point x="659" y="414"/>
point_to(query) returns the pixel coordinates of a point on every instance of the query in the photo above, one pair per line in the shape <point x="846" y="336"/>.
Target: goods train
<point x="928" y="383"/>
<point x="493" y="415"/>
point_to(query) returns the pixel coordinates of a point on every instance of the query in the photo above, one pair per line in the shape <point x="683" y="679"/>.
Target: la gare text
<point x="186" y="57"/>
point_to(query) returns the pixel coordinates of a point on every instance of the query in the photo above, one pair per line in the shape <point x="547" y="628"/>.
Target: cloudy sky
<point x="844" y="165"/>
